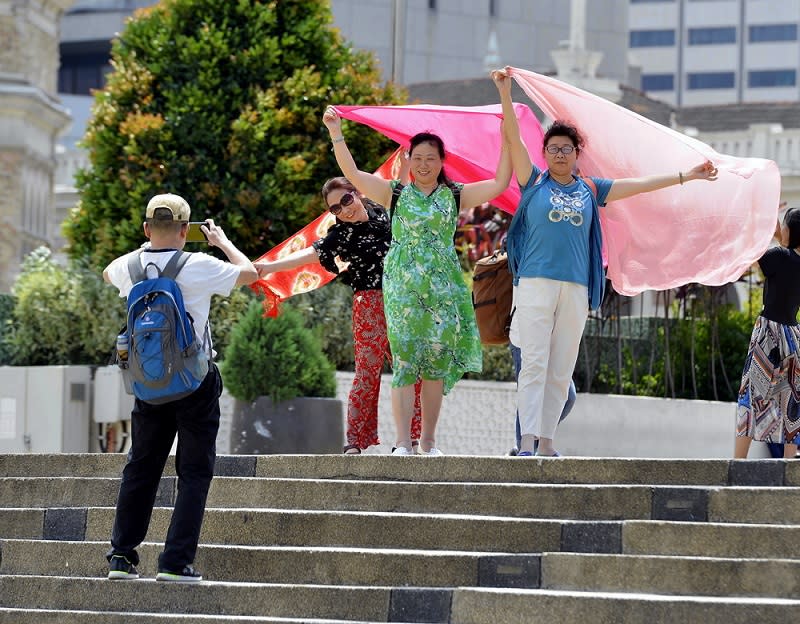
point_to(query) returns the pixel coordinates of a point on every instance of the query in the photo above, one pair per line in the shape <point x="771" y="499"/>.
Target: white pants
<point x="551" y="316"/>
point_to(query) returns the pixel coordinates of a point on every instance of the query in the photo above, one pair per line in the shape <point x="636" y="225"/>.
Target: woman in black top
<point x="361" y="238"/>
<point x="769" y="398"/>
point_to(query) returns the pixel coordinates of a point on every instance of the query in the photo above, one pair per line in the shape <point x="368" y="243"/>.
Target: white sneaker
<point x="401" y="451"/>
<point x="434" y="452"/>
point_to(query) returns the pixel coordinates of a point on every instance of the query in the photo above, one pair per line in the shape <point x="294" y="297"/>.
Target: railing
<point x="769" y="141"/>
<point x="67" y="164"/>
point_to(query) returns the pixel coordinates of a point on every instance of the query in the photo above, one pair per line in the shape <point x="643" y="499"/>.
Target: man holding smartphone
<point x="194" y="418"/>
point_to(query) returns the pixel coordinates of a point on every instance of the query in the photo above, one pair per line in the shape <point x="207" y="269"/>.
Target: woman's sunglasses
<point x="344" y="202"/>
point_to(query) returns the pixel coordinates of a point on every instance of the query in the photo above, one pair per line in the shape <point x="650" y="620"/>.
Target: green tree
<point x="221" y="102"/>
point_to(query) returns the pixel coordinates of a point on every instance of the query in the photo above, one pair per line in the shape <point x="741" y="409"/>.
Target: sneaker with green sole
<point x="187" y="575"/>
<point x="121" y="569"/>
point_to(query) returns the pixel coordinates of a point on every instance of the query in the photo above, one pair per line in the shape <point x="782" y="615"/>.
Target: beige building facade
<point x="31" y="119"/>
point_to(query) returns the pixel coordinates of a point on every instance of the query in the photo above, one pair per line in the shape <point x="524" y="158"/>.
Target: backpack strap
<point x="456" y="195"/>
<point x="135" y="268"/>
<point x="395" y="196"/>
<point x="175" y="264"/>
<point x="138" y="273"/>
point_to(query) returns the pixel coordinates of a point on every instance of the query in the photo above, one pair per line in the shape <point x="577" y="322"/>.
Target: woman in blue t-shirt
<point x="555" y="255"/>
<point x="768" y="408"/>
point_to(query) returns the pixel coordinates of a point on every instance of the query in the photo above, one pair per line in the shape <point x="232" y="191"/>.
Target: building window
<point x="658" y="82"/>
<point x="652" y="38"/>
<point x="432" y="5"/>
<point x="643" y="1"/>
<point x="772" y="78"/>
<point x="79" y="74"/>
<point x="493" y="8"/>
<point x="773" y="32"/>
<point x="712" y="36"/>
<point x="712" y="80"/>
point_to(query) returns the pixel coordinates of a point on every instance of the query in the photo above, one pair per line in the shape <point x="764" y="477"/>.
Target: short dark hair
<point x="162" y="221"/>
<point x="792" y="222"/>
<point x="563" y="128"/>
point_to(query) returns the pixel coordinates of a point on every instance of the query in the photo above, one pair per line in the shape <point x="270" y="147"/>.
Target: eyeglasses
<point x="344" y="201"/>
<point x="564" y="149"/>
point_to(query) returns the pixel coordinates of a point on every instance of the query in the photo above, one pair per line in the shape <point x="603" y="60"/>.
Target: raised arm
<point x="368" y="184"/>
<point x="520" y="158"/>
<point x="217" y="238"/>
<point x="628" y="187"/>
<point x="293" y="260"/>
<point x="476" y="193"/>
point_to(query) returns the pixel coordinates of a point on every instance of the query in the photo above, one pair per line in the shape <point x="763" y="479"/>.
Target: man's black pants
<point x="195" y="419"/>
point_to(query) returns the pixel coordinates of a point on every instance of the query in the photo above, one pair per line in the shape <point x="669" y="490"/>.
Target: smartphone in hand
<point x="195" y="234"/>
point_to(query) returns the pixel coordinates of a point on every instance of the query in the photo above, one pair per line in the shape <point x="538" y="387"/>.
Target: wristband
<point x="339" y="140"/>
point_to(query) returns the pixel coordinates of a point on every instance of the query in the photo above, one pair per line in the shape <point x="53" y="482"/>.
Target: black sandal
<point x="352" y="447"/>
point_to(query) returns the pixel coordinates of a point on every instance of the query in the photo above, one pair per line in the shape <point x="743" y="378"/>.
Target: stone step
<point x="688" y="576"/>
<point x="589" y="502"/>
<point x="588" y="470"/>
<point x="703" y="576"/>
<point x="257" y="527"/>
<point x="777" y="505"/>
<point x="490" y="606"/>
<point x="281" y="564"/>
<point x="710" y="539"/>
<point x="303" y="602"/>
<point x="42" y="616"/>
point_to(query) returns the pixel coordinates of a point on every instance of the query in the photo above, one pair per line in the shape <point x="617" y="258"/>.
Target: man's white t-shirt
<point x="201" y="277"/>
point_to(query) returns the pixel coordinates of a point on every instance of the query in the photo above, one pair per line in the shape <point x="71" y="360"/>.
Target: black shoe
<point x="187" y="575"/>
<point x="120" y="568"/>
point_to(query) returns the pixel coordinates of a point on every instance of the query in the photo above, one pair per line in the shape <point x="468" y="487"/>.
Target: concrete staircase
<point x="468" y="540"/>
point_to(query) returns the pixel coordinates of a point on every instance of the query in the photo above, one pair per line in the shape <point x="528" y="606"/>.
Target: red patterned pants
<point x="371" y="347"/>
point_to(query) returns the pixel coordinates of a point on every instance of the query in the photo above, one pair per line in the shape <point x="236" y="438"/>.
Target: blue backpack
<point x="165" y="362"/>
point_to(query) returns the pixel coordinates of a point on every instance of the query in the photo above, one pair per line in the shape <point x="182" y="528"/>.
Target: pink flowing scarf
<point x="704" y="232"/>
<point x="471" y="137"/>
<point x="472" y="144"/>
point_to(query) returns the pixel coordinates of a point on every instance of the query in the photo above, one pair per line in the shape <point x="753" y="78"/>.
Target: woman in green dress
<point x="429" y="315"/>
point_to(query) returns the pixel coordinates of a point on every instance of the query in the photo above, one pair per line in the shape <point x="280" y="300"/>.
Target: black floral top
<point x="363" y="245"/>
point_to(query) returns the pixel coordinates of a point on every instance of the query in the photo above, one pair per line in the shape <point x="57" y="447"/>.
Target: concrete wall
<point x="478" y="419"/>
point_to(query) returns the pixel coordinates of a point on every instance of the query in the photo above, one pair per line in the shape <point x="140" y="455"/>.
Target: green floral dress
<point x="429" y="314"/>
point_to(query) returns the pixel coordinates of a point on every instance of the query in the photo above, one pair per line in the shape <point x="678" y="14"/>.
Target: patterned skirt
<point x="768" y="408"/>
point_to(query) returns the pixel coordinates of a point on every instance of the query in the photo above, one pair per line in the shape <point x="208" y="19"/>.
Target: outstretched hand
<point x="332" y="120"/>
<point x="502" y="80"/>
<point x="705" y="171"/>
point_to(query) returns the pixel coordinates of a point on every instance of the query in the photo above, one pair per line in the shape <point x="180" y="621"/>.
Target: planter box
<point x="303" y="425"/>
<point x="44" y="409"/>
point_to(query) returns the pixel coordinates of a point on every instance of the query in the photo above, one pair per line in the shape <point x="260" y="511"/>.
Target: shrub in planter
<point x="273" y="367"/>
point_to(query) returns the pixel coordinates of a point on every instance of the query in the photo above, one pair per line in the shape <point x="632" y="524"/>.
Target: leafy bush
<point x="221" y="102"/>
<point x="62" y="315"/>
<point x="276" y="357"/>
